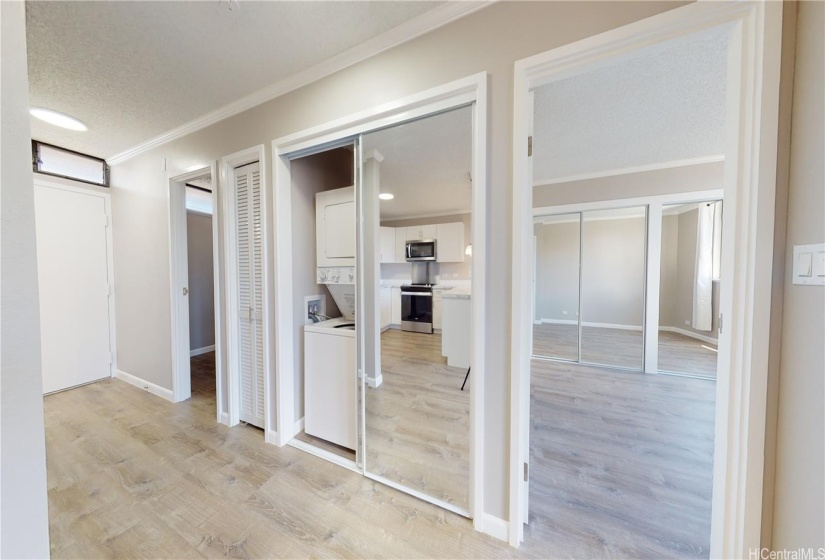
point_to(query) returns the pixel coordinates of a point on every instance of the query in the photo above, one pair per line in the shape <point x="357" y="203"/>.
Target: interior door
<point x="250" y="292"/>
<point x="73" y="277"/>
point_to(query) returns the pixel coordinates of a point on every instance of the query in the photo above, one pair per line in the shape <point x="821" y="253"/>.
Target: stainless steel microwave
<point x="423" y="250"/>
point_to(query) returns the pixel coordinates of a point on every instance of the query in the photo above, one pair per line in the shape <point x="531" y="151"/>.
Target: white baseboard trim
<point x="271" y="437"/>
<point x="375" y="381"/>
<point x="299" y="426"/>
<point x="691" y="334"/>
<point x="156" y="390"/>
<point x="224" y="418"/>
<point x="590" y="324"/>
<point x="556" y="322"/>
<point x="496" y="527"/>
<point x="199" y="351"/>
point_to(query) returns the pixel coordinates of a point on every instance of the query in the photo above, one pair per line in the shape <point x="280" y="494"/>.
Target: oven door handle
<point x="417" y="294"/>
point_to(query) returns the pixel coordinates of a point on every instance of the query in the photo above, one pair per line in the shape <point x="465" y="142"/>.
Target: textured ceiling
<point x="426" y="165"/>
<point x="134" y="70"/>
<point x="665" y="104"/>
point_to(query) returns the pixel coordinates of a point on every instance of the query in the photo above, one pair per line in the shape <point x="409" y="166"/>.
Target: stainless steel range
<point x="417" y="308"/>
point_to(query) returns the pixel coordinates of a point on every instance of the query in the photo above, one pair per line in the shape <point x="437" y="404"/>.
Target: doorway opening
<point x="196" y="295"/>
<point x="724" y="466"/>
<point x="200" y="259"/>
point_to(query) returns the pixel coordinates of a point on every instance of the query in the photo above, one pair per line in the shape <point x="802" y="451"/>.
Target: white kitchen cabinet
<point x="418" y="233"/>
<point x="395" y="306"/>
<point x="437" y="301"/>
<point x="450" y="237"/>
<point x="387" y="244"/>
<point x="386" y="307"/>
<point x="400" y="244"/>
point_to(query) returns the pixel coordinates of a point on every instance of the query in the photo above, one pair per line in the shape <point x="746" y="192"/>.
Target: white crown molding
<point x="426" y="22"/>
<point x="628" y="170"/>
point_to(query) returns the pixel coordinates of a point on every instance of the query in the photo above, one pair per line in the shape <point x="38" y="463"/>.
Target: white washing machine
<point x="330" y="381"/>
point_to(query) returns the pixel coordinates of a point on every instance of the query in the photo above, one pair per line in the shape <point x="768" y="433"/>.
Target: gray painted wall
<point x="557" y="271"/>
<point x="24" y="522"/>
<point x="201" y="281"/>
<point x="612" y="282"/>
<point x="310" y="175"/>
<point x="699" y="177"/>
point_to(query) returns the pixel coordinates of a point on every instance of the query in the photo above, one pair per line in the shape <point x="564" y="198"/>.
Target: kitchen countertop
<point x="457" y="293"/>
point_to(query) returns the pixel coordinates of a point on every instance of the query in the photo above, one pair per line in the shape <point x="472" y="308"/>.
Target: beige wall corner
<point x="798" y="519"/>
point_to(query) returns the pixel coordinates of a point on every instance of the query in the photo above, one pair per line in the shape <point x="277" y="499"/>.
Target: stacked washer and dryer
<point x="330" y="379"/>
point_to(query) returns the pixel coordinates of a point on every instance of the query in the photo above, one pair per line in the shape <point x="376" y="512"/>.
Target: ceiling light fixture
<point x="58" y="119"/>
<point x="386" y="196"/>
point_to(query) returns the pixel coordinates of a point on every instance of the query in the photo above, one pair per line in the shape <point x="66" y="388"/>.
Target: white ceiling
<point x="665" y="104"/>
<point x="133" y="70"/>
<point x="426" y="165"/>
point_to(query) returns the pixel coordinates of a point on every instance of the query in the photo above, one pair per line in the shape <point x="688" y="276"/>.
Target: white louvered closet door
<point x="250" y="292"/>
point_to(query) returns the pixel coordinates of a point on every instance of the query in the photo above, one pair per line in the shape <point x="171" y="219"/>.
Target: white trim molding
<point x="202" y="350"/>
<point x="629" y="170"/>
<point x="469" y="91"/>
<point x="147" y="386"/>
<point x="496" y="527"/>
<point x="426" y="22"/>
<point x="749" y="194"/>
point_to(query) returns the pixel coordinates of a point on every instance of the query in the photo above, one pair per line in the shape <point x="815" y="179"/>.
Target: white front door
<point x="73" y="276"/>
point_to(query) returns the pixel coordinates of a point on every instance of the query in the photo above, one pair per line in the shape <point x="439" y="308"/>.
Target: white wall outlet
<point x="564" y="312"/>
<point x="687" y="322"/>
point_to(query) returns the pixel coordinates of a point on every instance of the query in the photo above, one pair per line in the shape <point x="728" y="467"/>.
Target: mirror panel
<point x="689" y="288"/>
<point x="613" y="287"/>
<point x="417" y="325"/>
<point x="556" y="286"/>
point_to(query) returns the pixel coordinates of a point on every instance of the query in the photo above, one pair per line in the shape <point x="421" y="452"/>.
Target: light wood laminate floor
<point x="418" y="419"/>
<point x="623" y="348"/>
<point x="621" y="463"/>
<point x="620" y="468"/>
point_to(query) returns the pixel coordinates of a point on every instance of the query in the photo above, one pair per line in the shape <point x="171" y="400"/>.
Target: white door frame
<point x="229" y="229"/>
<point x="472" y="89"/>
<point x="106" y="194"/>
<point x="179" y="283"/>
<point x="750" y="188"/>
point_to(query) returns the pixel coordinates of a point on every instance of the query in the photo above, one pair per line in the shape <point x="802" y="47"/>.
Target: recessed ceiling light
<point x="57" y="119"/>
<point x="386" y="196"/>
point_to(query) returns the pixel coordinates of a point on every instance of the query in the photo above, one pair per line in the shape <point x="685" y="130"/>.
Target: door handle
<point x="185" y="291"/>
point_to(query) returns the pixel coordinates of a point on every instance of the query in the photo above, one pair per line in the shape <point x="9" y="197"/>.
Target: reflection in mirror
<point x="689" y="288"/>
<point x="417" y="304"/>
<point x="613" y="287"/>
<point x="556" y="286"/>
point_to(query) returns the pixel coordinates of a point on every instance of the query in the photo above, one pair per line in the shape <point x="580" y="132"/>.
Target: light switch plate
<point x="809" y="264"/>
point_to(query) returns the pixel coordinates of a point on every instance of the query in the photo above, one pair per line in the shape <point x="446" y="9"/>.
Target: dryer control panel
<point x="336" y="275"/>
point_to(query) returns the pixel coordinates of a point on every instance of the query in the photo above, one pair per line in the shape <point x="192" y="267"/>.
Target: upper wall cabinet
<point x="387" y="245"/>
<point x="419" y="233"/>
<point x="450" y="238"/>
<point x="449" y="241"/>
